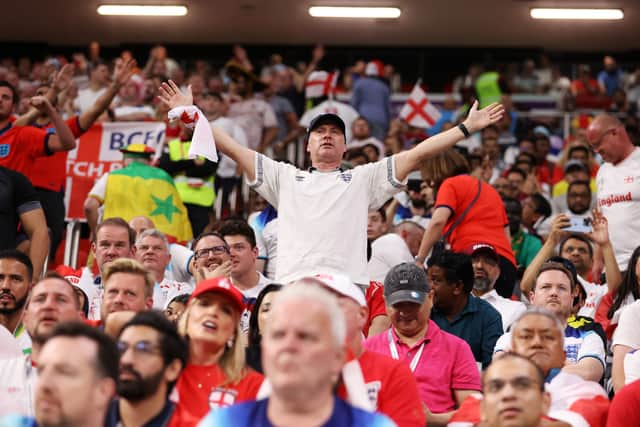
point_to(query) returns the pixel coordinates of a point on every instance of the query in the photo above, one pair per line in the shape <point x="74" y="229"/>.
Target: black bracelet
<point x="464" y="130"/>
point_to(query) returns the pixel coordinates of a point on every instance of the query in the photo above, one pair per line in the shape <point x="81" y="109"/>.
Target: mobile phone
<point x="579" y="225"/>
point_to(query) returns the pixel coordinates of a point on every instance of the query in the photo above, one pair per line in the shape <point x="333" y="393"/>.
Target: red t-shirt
<point x="484" y="223"/>
<point x="50" y="172"/>
<point x="202" y="388"/>
<point x="20" y="145"/>
<point x="623" y="410"/>
<point x="375" y="302"/>
<point x="393" y="389"/>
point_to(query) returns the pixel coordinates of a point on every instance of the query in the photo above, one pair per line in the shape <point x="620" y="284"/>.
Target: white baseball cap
<point x="341" y="284"/>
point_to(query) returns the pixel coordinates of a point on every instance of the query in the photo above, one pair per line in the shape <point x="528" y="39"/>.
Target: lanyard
<point x="395" y="356"/>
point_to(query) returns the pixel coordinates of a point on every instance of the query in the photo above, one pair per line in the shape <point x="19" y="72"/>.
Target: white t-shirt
<point x="595" y="293"/>
<point x="627" y="331"/>
<point x="619" y="199"/>
<point x="387" y="251"/>
<point x="250" y="296"/>
<point x="167" y="290"/>
<point x="226" y="166"/>
<point x="125" y="110"/>
<point x="86" y="98"/>
<point x="346" y="112"/>
<point x="586" y="344"/>
<point x="508" y="309"/>
<point x="253" y="116"/>
<point x="323" y="215"/>
<point x="178" y="268"/>
<point x="267" y="243"/>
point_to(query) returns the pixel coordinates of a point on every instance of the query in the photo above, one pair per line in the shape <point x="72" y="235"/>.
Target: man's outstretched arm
<point x="408" y="161"/>
<point x="173" y="97"/>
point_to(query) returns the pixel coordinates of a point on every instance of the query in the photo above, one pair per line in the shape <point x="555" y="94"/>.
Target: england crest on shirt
<point x="373" y="389"/>
<point x="5" y="149"/>
<point x="222" y="397"/>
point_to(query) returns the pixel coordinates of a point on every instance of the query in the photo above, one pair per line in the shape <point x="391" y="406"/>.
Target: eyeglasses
<point x="140" y="348"/>
<point x="216" y="250"/>
<point x="517" y="383"/>
<point x="596" y="144"/>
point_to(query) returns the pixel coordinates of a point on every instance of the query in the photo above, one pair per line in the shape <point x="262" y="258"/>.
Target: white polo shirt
<point x="508" y="309"/>
<point x="322" y="216"/>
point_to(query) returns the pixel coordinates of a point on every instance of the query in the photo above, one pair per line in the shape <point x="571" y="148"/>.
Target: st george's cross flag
<point x="321" y="83"/>
<point x="418" y="111"/>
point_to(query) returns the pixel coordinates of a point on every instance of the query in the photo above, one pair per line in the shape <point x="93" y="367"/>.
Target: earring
<point x="230" y="342"/>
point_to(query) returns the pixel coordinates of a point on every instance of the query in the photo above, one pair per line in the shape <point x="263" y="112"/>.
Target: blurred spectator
<point x="524" y="245"/>
<point x="159" y="62"/>
<point x="361" y="138"/>
<point x="371" y="97"/>
<point x="611" y="77"/>
<point x="254" y="115"/>
<point x="536" y="213"/>
<point x="288" y="129"/>
<point x="98" y="82"/>
<point x="586" y="90"/>
<point x="527" y="80"/>
<point x="129" y="104"/>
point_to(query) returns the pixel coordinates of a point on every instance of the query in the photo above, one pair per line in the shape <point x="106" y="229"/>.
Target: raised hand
<point x="479" y="119"/>
<point x="41" y="103"/>
<point x="172" y="96"/>
<point x="559" y="223"/>
<point x="600" y="225"/>
<point x="62" y="79"/>
<point x="123" y="71"/>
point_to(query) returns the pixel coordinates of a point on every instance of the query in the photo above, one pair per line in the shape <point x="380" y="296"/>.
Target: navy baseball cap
<point x="324" y="119"/>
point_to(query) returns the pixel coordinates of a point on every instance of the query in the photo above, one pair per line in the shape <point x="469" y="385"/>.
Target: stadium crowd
<point x="479" y="270"/>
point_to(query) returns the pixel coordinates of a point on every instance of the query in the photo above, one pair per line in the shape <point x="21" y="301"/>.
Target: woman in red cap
<point x="216" y="375"/>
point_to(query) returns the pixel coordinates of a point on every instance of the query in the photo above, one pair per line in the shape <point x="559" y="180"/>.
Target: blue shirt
<point x="479" y="324"/>
<point x="371" y="97"/>
<point x="254" y="414"/>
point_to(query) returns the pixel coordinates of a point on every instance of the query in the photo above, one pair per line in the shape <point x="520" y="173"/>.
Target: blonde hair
<point x="131" y="266"/>
<point x="441" y="166"/>
<point x="232" y="362"/>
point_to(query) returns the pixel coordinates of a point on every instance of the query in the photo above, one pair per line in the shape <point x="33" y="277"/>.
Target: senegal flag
<point x="140" y="189"/>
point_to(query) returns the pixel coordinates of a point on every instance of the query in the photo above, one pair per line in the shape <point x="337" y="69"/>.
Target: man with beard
<point x="486" y="269"/>
<point x="555" y="290"/>
<point x="152" y="354"/>
<point x="16" y="272"/>
<point x="53" y="300"/>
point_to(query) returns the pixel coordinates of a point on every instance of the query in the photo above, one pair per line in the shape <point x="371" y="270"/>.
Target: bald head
<point x="141" y="223"/>
<point x="608" y="137"/>
<point x="411" y="232"/>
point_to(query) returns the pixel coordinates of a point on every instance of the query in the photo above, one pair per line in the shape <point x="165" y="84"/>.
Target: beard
<point x="482" y="284"/>
<point x="17" y="304"/>
<point x="139" y="388"/>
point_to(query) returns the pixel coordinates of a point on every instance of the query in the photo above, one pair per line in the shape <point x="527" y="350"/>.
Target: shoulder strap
<point x="464" y="213"/>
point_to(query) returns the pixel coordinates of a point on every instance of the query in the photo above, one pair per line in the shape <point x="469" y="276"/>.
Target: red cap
<point x="482" y="247"/>
<point x="221" y="285"/>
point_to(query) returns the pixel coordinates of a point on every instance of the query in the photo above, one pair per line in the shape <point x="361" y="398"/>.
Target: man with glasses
<point x="152" y="355"/>
<point x="211" y="256"/>
<point x="618" y="183"/>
